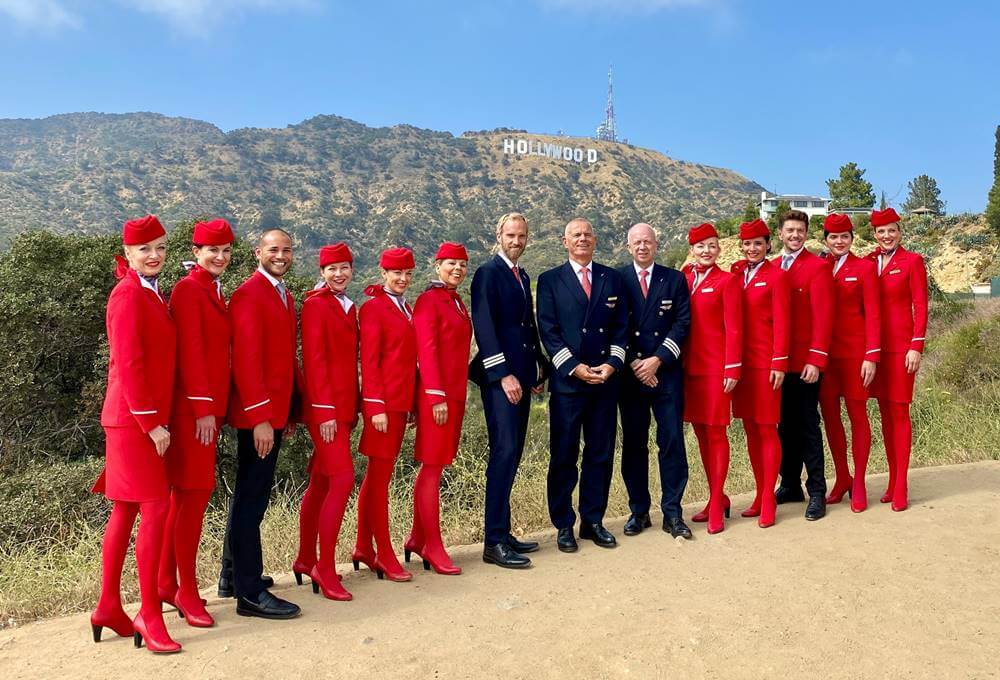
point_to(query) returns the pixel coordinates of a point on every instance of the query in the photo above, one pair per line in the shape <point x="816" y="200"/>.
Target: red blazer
<point x="856" y="318"/>
<point x="715" y="343"/>
<point x="143" y="345"/>
<point x="265" y="367"/>
<point x="444" y="332"/>
<point x="388" y="356"/>
<point x="766" y="302"/>
<point x="203" y="376"/>
<point x="329" y="358"/>
<point x="903" y="293"/>
<point x="811" y="288"/>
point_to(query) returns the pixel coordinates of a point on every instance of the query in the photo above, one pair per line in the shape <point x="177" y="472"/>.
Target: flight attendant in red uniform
<point x="140" y="392"/>
<point x="712" y="369"/>
<point x="903" y="293"/>
<point x="444" y="331"/>
<point x="854" y="353"/>
<point x="330" y="368"/>
<point x="388" y="388"/>
<point x="200" y="399"/>
<point x="757" y="397"/>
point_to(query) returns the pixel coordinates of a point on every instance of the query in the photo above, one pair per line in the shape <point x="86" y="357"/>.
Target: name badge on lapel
<point x="895" y="271"/>
<point x="850" y="278"/>
<point x="612" y="301"/>
<point x="760" y="284"/>
<point x="707" y="290"/>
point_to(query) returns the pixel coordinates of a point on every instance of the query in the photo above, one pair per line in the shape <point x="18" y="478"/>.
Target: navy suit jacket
<point x="658" y="325"/>
<point x="577" y="331"/>
<point x="503" y="321"/>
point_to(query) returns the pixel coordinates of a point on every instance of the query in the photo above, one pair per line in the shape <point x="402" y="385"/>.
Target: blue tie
<point x="281" y="291"/>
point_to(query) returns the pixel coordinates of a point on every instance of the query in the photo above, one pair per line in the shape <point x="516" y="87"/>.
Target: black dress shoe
<point x="785" y="494"/>
<point x="816" y="508"/>
<point x="636" y="523"/>
<point x="566" y="541"/>
<point x="268" y="581"/>
<point x="521" y="546"/>
<point x="675" y="526"/>
<point x="267" y="606"/>
<point x="504" y="556"/>
<point x="598" y="534"/>
<point x="226" y="585"/>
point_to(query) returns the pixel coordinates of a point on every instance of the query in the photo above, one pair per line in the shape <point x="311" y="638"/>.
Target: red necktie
<point x="643" y="286"/>
<point x="585" y="281"/>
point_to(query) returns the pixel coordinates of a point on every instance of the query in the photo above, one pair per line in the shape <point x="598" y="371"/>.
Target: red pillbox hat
<point x="880" y="218"/>
<point x="755" y="229"/>
<point x="701" y="232"/>
<point x="451" y="251"/>
<point x="142" y="230"/>
<point x="338" y="252"/>
<point x="396" y="258"/>
<point x="836" y="223"/>
<point x="212" y="233"/>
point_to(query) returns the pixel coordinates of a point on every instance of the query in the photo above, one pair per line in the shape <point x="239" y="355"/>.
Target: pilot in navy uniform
<point x="582" y="321"/>
<point x="509" y="364"/>
<point x="658" y="323"/>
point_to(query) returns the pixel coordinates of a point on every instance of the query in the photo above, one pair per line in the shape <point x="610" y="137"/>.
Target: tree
<point x="993" y="204"/>
<point x="882" y="203"/>
<point x="851" y="189"/>
<point x="752" y="211"/>
<point x="924" y="193"/>
<point x="774" y="221"/>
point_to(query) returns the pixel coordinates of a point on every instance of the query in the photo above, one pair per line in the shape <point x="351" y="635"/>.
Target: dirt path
<point x="907" y="595"/>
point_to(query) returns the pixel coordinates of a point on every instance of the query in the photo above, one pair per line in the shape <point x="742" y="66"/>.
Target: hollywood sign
<point x="528" y="147"/>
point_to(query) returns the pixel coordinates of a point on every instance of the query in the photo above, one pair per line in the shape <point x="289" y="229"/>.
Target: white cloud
<point x="197" y="16"/>
<point x="48" y="15"/>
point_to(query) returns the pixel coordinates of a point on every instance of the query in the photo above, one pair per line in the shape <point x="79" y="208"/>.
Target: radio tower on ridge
<point x="608" y="130"/>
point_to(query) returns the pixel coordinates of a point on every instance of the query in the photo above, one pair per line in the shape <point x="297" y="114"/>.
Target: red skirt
<point x="375" y="444"/>
<point x="438" y="444"/>
<point x="754" y="400"/>
<point x="842" y="378"/>
<point x="132" y="470"/>
<point x="190" y="464"/>
<point x="892" y="382"/>
<point x="704" y="401"/>
<point x="332" y="458"/>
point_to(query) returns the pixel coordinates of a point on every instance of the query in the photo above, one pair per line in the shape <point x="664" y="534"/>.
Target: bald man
<point x="659" y="316"/>
<point x="582" y="319"/>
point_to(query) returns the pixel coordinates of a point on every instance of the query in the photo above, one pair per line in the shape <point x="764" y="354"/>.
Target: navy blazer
<point x="503" y="321"/>
<point x="658" y="325"/>
<point x="577" y="331"/>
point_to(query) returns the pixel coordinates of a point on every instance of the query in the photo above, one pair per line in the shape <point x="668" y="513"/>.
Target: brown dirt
<point x="881" y="594"/>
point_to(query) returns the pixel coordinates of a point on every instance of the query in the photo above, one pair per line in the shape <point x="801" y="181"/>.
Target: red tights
<point x="426" y="531"/>
<point x="861" y="444"/>
<point x="764" y="449"/>
<point x="714" y="447"/>
<point x="321" y="516"/>
<point x="897" y="432"/>
<point x="373" y="513"/>
<point x="181" y="536"/>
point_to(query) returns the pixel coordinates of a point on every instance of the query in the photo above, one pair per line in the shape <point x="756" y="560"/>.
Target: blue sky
<point x="783" y="92"/>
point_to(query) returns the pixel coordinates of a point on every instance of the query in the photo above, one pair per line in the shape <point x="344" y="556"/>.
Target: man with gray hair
<point x="659" y="316"/>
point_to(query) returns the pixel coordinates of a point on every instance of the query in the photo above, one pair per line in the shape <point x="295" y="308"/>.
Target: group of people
<point x="772" y="342"/>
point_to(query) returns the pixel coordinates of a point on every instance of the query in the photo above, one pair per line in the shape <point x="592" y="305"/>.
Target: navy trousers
<point x="801" y="441"/>
<point x="507" y="426"/>
<point x="592" y="412"/>
<point x="667" y="409"/>
<point x="252" y="492"/>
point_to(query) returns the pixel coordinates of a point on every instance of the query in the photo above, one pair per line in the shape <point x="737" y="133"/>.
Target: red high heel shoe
<point x="859" y="496"/>
<point x="300" y="569"/>
<point x="900" y="506"/>
<point x="193" y="611"/>
<point x="753" y="510"/>
<point x="117" y="621"/>
<point x="167" y="595"/>
<point x="837" y="494"/>
<point x="157" y="641"/>
<point x="412" y="547"/>
<point x="703" y="515"/>
<point x="400" y="576"/>
<point x="366" y="558"/>
<point x="886" y="497"/>
<point x="443" y="567"/>
<point x="332" y="590"/>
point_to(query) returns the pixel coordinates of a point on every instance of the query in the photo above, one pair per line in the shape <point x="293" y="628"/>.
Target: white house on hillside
<point x="810" y="205"/>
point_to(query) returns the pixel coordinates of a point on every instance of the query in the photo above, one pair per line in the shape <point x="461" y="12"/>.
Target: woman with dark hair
<point x="330" y="370"/>
<point x="200" y="399"/>
<point x="757" y="397"/>
<point x="903" y="296"/>
<point x="388" y="381"/>
<point x="712" y="368"/>
<point x="444" y="332"/>
<point x="854" y="351"/>
<point x="143" y="346"/>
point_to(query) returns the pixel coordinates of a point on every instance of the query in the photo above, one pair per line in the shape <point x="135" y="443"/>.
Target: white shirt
<point x="884" y="259"/>
<point x="794" y="256"/>
<point x="154" y="286"/>
<point x="274" y="281"/>
<point x="750" y="272"/>
<point x="578" y="268"/>
<point x="639" y="270"/>
<point x="511" y="265"/>
<point x="838" y="263"/>
<point x="400" y="302"/>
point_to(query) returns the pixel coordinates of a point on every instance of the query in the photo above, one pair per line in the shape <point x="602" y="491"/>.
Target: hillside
<point x="329" y="177"/>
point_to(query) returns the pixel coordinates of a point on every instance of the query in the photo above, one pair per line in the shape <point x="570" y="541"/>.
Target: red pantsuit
<point x="202" y="390"/>
<point x="388" y="384"/>
<point x="713" y="353"/>
<point x="142" y="342"/>
<point x="443" y="330"/>
<point x="903" y="295"/>
<point x="855" y="339"/>
<point x="766" y="333"/>
<point x="330" y="374"/>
